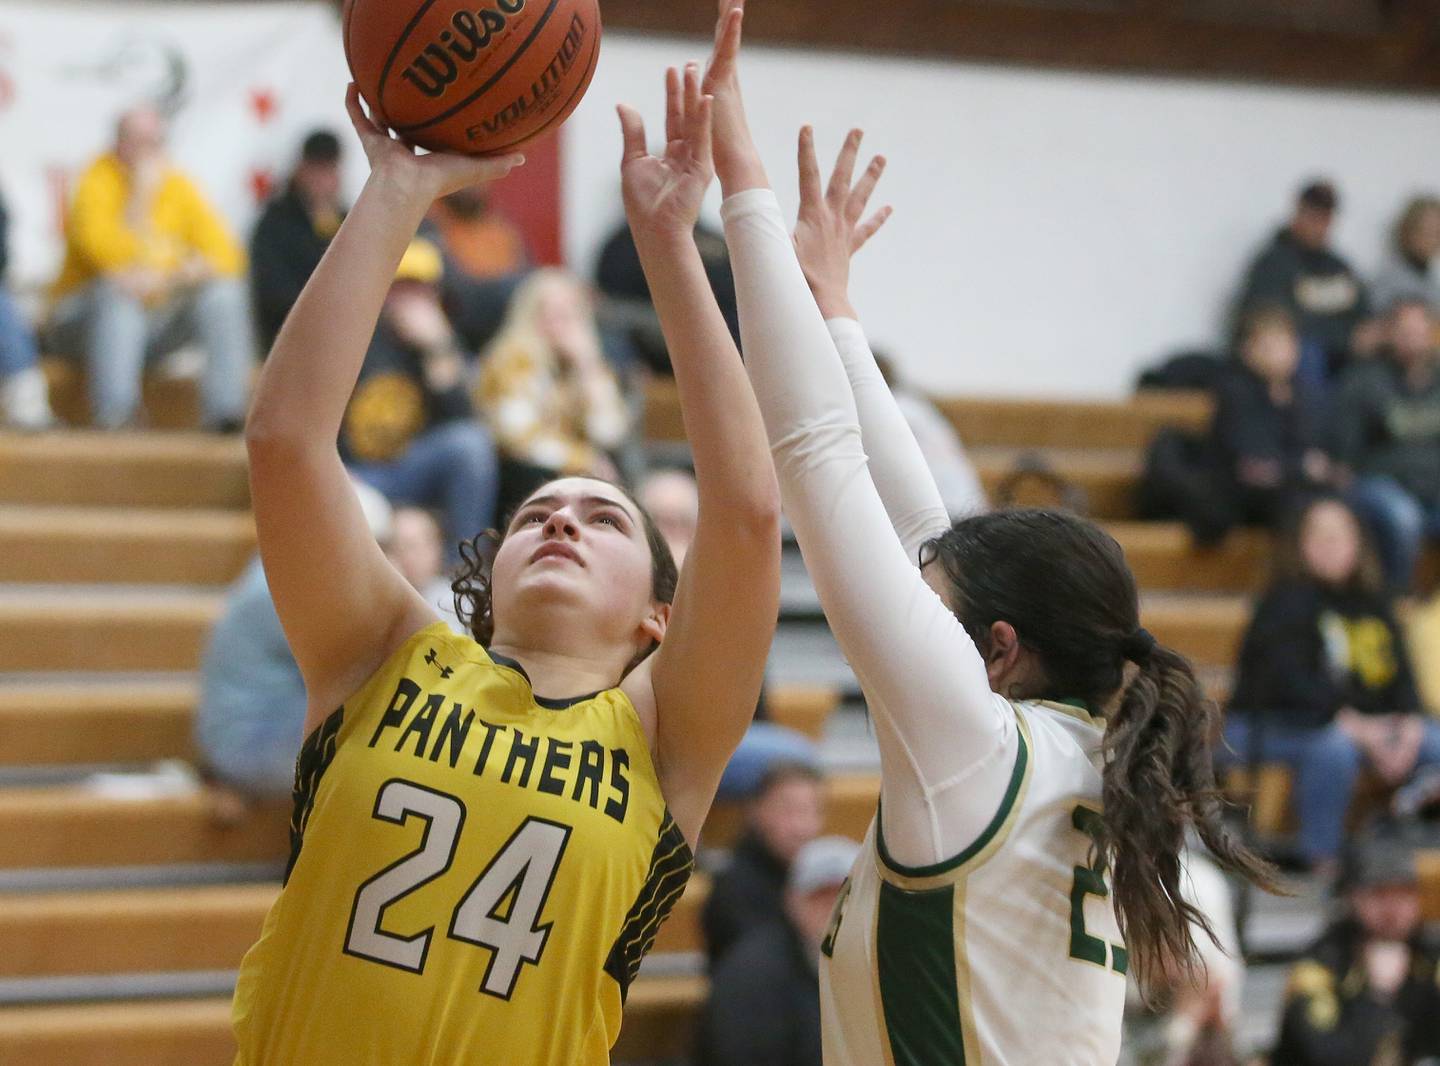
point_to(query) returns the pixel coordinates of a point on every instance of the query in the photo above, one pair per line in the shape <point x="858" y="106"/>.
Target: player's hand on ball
<point x="832" y="225"/>
<point x="663" y="193"/>
<point x="431" y="175"/>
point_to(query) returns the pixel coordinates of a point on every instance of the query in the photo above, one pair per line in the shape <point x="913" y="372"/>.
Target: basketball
<point x="477" y="77"/>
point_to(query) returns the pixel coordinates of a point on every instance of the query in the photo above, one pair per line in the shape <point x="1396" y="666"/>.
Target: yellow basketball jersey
<point x="475" y="875"/>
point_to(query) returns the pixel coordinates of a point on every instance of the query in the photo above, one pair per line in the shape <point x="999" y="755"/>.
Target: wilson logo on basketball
<point x="544" y="89"/>
<point x="470" y="33"/>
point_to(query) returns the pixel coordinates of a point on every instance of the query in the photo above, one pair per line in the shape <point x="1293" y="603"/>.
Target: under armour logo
<point x="433" y="660"/>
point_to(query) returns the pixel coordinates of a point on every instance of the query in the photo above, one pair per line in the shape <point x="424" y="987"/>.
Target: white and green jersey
<point x="1008" y="954"/>
<point x="976" y="932"/>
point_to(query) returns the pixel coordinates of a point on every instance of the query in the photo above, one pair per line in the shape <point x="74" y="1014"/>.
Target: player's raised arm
<point x="922" y="675"/>
<point x="833" y="226"/>
<point x="706" y="677"/>
<point x="344" y="608"/>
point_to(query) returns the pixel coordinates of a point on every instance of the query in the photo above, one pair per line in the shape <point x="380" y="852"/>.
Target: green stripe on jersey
<point x="915" y="955"/>
<point x="1002" y="815"/>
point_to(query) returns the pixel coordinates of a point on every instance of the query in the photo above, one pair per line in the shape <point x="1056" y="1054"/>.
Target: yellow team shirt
<point x="177" y="223"/>
<point x="475" y="874"/>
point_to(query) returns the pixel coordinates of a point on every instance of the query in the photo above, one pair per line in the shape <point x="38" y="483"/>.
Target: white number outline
<point x="529" y="915"/>
<point x="396" y="803"/>
<point x="402" y="815"/>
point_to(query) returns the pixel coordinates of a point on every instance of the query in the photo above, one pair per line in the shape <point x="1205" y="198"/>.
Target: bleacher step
<point x="116" y="720"/>
<point x="1013" y="421"/>
<point x="60" y="628"/>
<point x="95" y="722"/>
<point x="78" y="826"/>
<point x="659" y="1022"/>
<point x="130" y="546"/>
<point x="124" y="469"/>
<point x="131" y="931"/>
<point x="176" y="929"/>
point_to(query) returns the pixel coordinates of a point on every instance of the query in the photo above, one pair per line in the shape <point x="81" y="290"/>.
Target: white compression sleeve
<point x="947" y="743"/>
<point x="897" y="466"/>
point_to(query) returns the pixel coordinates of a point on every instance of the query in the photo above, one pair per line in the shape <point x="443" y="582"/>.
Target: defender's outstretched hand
<point x="736" y="159"/>
<point x="663" y="193"/>
<point x="832" y="225"/>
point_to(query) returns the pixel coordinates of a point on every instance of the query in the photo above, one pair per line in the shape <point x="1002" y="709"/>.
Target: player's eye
<point x="531" y="517"/>
<point x="607" y="519"/>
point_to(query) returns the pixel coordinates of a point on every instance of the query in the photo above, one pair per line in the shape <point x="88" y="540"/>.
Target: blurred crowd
<point x="1333" y="387"/>
<point x="487" y="375"/>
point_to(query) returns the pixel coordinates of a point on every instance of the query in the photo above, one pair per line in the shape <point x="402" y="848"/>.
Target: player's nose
<point x="561" y="524"/>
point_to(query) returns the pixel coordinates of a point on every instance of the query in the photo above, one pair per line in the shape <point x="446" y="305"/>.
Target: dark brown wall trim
<point x="1388" y="44"/>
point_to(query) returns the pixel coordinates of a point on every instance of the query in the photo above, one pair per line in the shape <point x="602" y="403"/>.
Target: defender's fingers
<point x="865" y="187"/>
<point x="810" y="189"/>
<point x="870" y="227"/>
<point x="844" y="174"/>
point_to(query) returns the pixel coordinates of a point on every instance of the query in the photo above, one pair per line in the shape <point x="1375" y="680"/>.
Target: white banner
<point x="245" y="83"/>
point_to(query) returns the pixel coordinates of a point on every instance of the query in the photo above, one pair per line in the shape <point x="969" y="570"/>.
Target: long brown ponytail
<point x="1159" y="782"/>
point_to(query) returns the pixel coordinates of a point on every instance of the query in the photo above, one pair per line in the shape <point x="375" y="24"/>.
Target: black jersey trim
<point x="543" y="701"/>
<point x="315" y="758"/>
<point x="670" y="867"/>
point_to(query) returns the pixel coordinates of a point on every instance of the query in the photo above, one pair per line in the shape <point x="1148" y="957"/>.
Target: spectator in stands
<point x="252" y="698"/>
<point x="1324" y="682"/>
<point x="673" y="500"/>
<point x="954" y="474"/>
<point x="787" y="812"/>
<point x="417" y="548"/>
<point x="1299" y="271"/>
<point x="545" y="386"/>
<point x="486" y="259"/>
<point x="764" y="1007"/>
<point x="1366" y="994"/>
<point x="149" y="268"/>
<point x="1388" y="436"/>
<point x="24" y="396"/>
<point x="1266" y="432"/>
<point x="1261" y="454"/>
<point x="410" y="429"/>
<point x="293" y="232"/>
<point x="674" y="503"/>
<point x="627" y="293"/>
<point x="1410" y="273"/>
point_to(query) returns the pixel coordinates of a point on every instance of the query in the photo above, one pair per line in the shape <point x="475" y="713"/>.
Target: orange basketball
<point x="472" y="76"/>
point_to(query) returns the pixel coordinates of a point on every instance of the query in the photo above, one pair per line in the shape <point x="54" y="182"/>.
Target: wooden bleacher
<point x="147" y="528"/>
<point x="200" y="927"/>
<point x="659" y="1023"/>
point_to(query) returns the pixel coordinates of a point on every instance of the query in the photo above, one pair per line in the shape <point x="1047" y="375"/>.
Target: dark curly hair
<point x="1064" y="585"/>
<point x="471" y="586"/>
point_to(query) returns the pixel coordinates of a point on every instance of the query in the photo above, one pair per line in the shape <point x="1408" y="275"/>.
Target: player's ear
<point x="656" y="622"/>
<point x="1001" y="651"/>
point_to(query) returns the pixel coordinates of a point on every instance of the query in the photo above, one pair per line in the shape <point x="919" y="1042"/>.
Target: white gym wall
<point x="1053" y="231"/>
